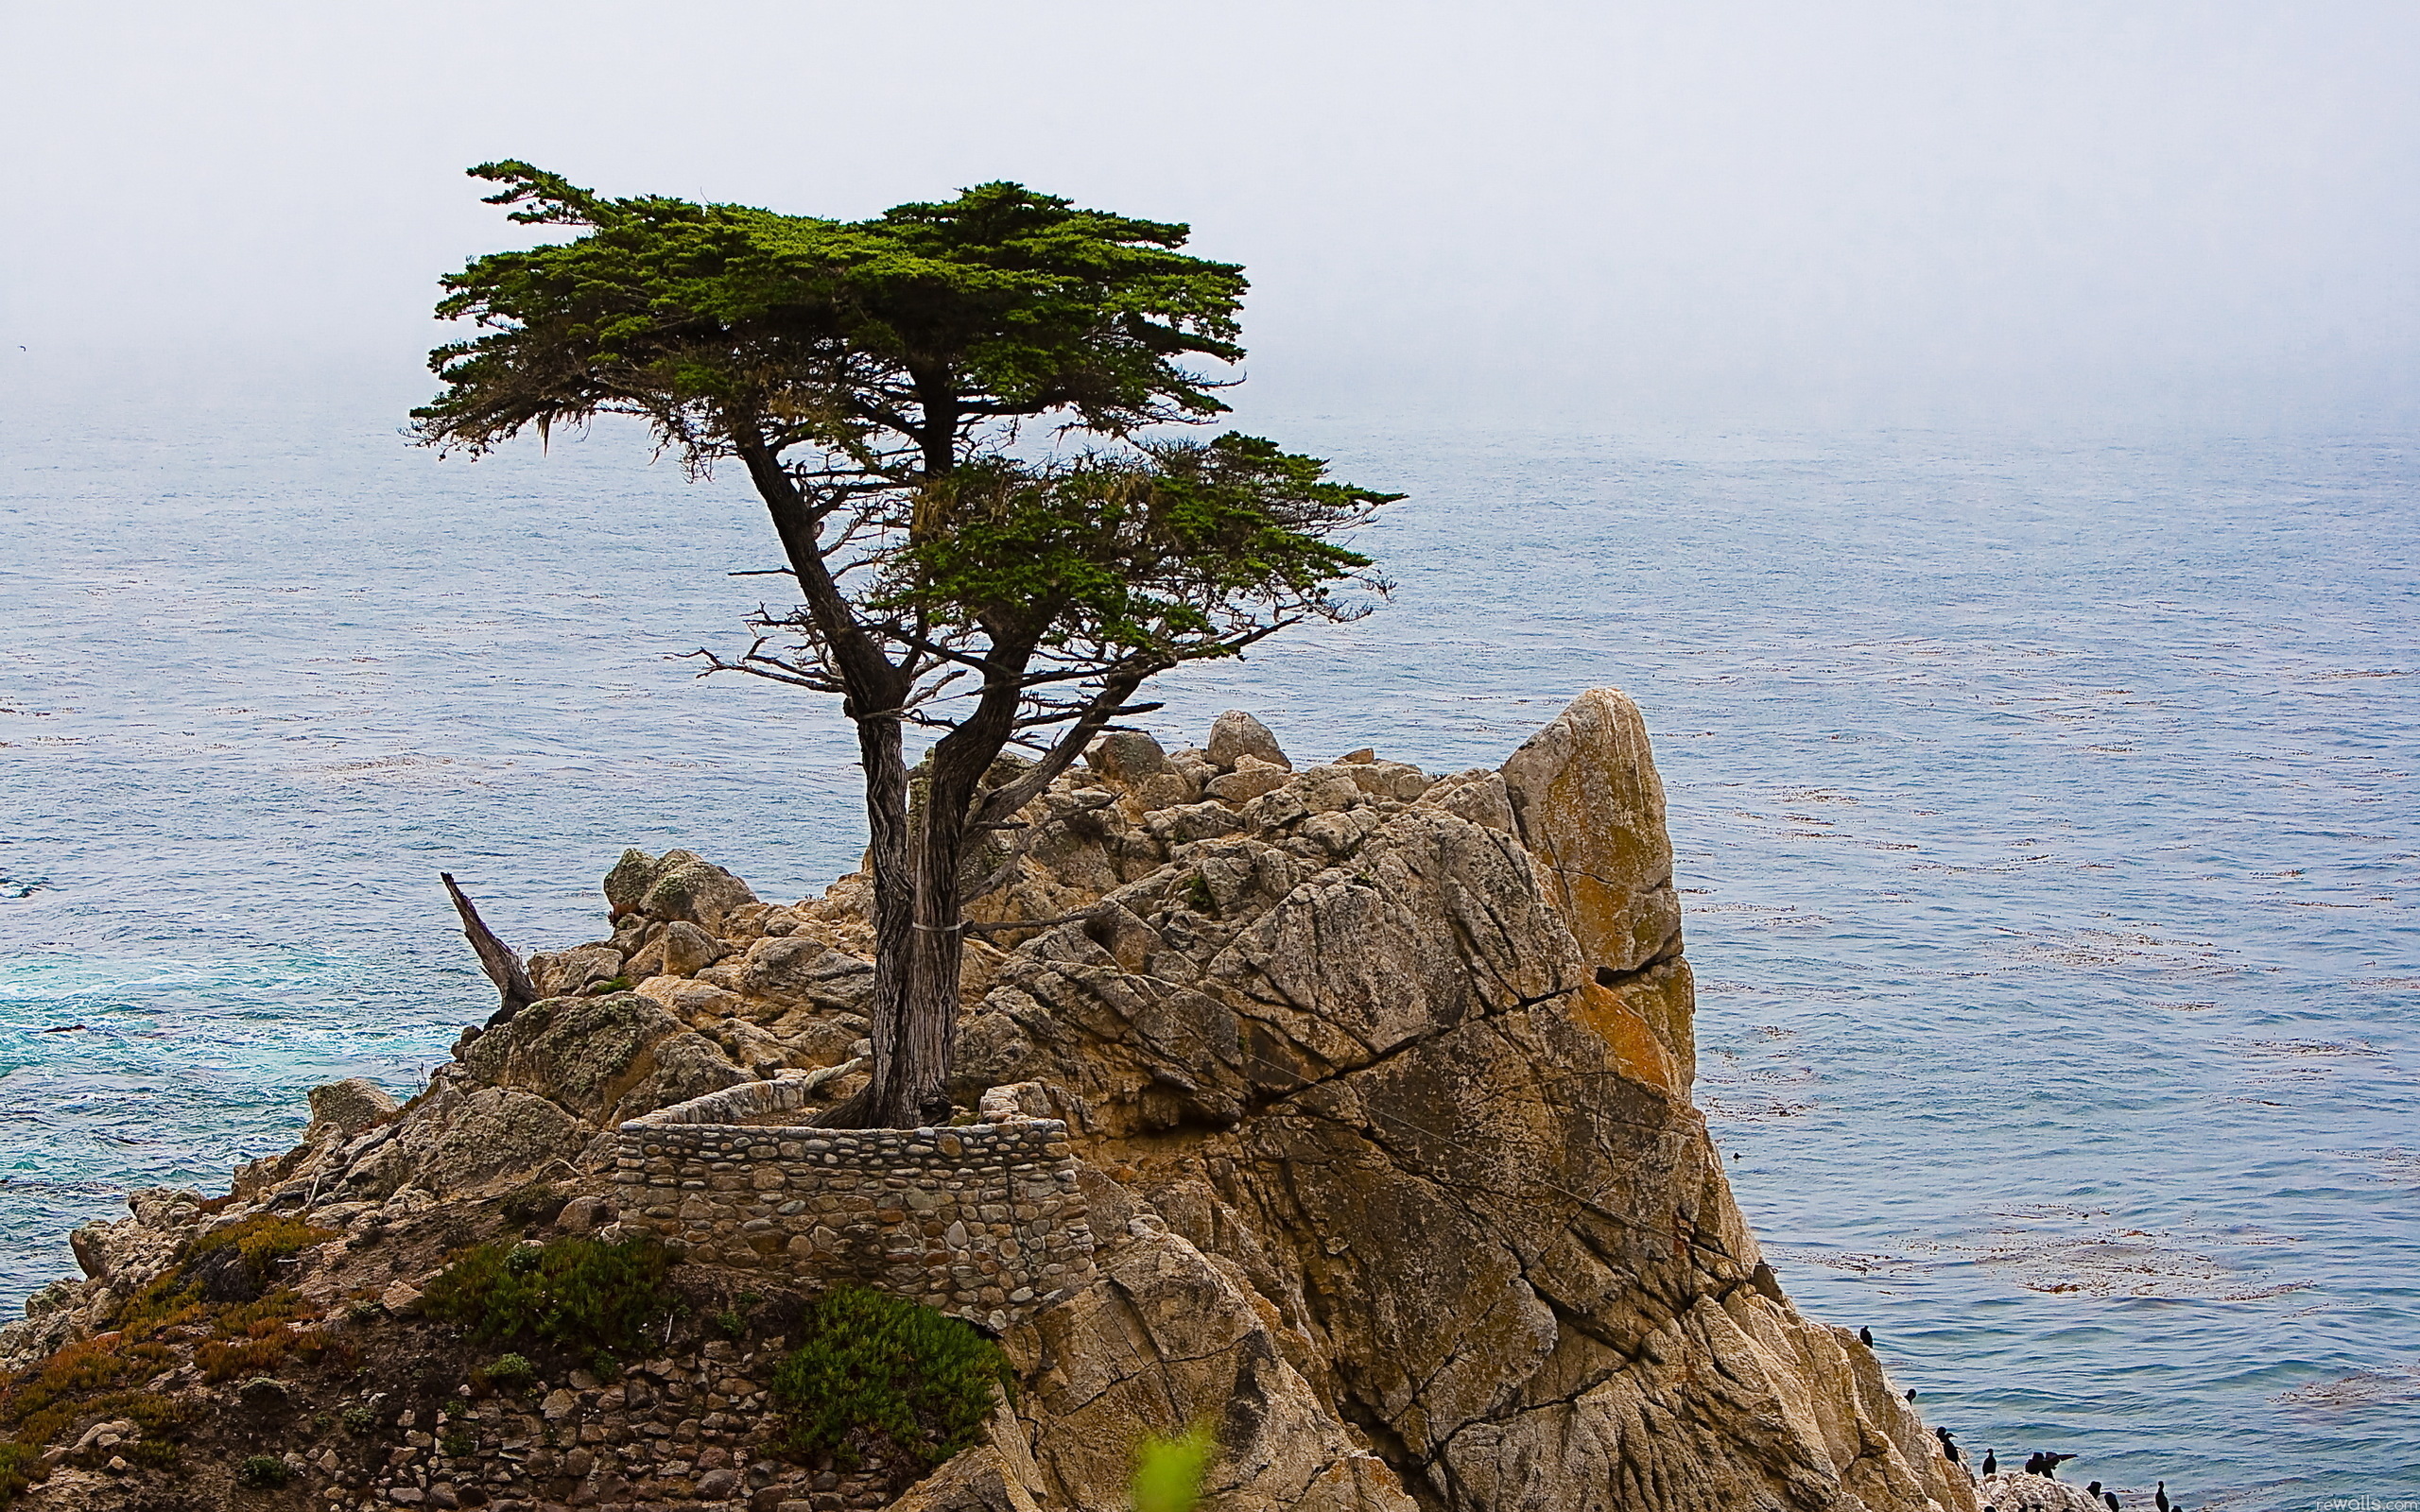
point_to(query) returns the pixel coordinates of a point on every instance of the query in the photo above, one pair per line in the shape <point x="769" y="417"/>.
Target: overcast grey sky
<point x="1579" y="213"/>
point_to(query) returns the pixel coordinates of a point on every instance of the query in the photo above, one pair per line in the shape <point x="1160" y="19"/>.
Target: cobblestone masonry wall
<point x="693" y="1436"/>
<point x="982" y="1222"/>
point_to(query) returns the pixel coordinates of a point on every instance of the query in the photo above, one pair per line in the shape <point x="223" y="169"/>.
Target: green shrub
<point x="575" y="1292"/>
<point x="459" y="1444"/>
<point x="359" y="1417"/>
<point x="20" y="1468"/>
<point x="263" y="1473"/>
<point x="1167" y="1472"/>
<point x="892" y="1369"/>
<point x="606" y="1367"/>
<point x="511" y="1371"/>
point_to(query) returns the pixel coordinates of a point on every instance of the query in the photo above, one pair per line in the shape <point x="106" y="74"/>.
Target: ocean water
<point x="2047" y="815"/>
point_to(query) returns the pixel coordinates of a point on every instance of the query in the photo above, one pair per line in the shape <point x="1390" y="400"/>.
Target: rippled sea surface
<point x="2047" y="815"/>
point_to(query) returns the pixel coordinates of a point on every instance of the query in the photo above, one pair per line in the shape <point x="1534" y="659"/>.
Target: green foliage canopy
<point x="1149" y="553"/>
<point x="883" y="342"/>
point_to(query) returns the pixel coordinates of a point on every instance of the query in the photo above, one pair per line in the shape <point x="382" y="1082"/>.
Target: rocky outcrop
<point x="1590" y="810"/>
<point x="1413" y="1058"/>
<point x="1378" y="1084"/>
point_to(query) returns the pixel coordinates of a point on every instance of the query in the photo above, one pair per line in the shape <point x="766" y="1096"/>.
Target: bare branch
<point x="495" y="957"/>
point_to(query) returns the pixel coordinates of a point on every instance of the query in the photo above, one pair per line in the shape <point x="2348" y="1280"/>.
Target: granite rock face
<point x="1410" y="1060"/>
<point x="1590" y="809"/>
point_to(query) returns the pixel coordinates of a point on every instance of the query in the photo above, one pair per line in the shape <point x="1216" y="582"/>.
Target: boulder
<point x="697" y="891"/>
<point x="689" y="949"/>
<point x="401" y="1299"/>
<point x="1023" y="1099"/>
<point x="351" y="1105"/>
<point x="2017" y="1491"/>
<point x="1192" y="821"/>
<point x="976" y="1480"/>
<point x="1250" y="778"/>
<point x="1126" y="756"/>
<point x="53" y="1317"/>
<point x="605" y="1059"/>
<point x="583" y="1213"/>
<point x="127" y="1253"/>
<point x="688" y="1000"/>
<point x="496" y="1131"/>
<point x="796" y="969"/>
<point x="1591" y="809"/>
<point x="165" y="1206"/>
<point x="1163" y="790"/>
<point x="629" y="881"/>
<point x="1236" y="734"/>
<point x="571" y="972"/>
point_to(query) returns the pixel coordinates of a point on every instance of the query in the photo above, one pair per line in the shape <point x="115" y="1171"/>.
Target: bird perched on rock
<point x="2050" y="1463"/>
<point x="2159" y="1497"/>
<point x="2111" y="1497"/>
<point x="1947" y="1447"/>
<point x="2093" y="1490"/>
<point x="2034" y="1463"/>
<point x="1865" y="1336"/>
<point x="1911" y="1393"/>
<point x="1990" y="1462"/>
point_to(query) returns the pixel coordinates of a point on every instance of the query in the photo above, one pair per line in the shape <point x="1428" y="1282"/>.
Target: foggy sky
<point x="1566" y="213"/>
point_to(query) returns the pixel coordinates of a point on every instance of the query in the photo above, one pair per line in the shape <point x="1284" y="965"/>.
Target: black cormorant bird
<point x="2159" y="1497"/>
<point x="1990" y="1462"/>
<point x="1947" y="1446"/>
<point x="2052" y="1460"/>
<point x="1865" y="1336"/>
<point x="2111" y="1497"/>
<point x="2093" y="1490"/>
<point x="1911" y="1393"/>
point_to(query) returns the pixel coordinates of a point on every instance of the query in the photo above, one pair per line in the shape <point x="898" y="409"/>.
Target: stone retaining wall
<point x="982" y="1222"/>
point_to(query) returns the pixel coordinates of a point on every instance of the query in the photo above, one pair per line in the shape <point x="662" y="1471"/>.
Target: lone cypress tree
<point x="872" y="376"/>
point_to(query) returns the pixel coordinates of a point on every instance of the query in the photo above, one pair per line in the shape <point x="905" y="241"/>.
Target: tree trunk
<point x="919" y="947"/>
<point x="889" y="1100"/>
<point x="935" y="949"/>
<point x="918" y="970"/>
